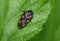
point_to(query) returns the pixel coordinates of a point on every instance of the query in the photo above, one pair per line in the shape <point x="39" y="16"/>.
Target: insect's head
<point x="29" y="11"/>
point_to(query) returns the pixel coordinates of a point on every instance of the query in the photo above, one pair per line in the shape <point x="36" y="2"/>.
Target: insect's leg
<point x="31" y="21"/>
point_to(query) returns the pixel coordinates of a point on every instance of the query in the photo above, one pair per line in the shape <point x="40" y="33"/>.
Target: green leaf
<point x="10" y="11"/>
<point x="51" y="29"/>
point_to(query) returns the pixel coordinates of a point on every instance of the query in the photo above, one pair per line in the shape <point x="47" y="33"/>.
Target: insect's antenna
<point x="23" y="11"/>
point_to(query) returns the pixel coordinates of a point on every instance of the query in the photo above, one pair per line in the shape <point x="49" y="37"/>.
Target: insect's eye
<point x="30" y="14"/>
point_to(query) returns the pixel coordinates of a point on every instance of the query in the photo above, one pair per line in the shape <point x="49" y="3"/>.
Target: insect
<point x="25" y="18"/>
